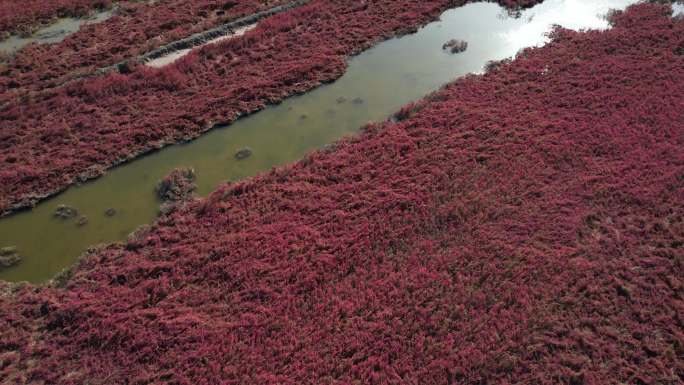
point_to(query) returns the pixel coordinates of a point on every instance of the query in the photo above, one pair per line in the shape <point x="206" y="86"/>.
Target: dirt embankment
<point x="524" y="226"/>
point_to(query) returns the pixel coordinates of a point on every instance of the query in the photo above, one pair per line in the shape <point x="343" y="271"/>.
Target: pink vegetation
<point x="137" y="28"/>
<point x="50" y="140"/>
<point x="524" y="226"/>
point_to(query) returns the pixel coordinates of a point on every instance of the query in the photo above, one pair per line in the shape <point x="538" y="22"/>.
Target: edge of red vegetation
<point x="524" y="226"/>
<point x="52" y="140"/>
<point x="23" y="16"/>
<point x="135" y="29"/>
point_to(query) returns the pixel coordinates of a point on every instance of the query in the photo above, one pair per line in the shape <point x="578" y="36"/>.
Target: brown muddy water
<point x="54" y="32"/>
<point x="377" y="83"/>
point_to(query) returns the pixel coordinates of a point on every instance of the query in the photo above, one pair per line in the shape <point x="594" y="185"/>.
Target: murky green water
<point x="53" y="33"/>
<point x="381" y="80"/>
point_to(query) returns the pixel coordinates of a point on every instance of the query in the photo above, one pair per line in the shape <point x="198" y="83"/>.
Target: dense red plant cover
<point x="137" y="27"/>
<point x="23" y="16"/>
<point x="76" y="132"/>
<point x="525" y="226"/>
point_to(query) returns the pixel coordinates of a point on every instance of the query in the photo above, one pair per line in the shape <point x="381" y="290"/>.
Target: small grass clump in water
<point x="9" y="256"/>
<point x="65" y="212"/>
<point x="455" y="46"/>
<point x="178" y="186"/>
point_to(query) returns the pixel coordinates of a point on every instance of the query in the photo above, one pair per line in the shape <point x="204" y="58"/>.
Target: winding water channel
<point x="377" y="83"/>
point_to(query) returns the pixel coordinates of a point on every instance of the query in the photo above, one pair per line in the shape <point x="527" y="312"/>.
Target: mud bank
<point x="97" y="123"/>
<point x="523" y="226"/>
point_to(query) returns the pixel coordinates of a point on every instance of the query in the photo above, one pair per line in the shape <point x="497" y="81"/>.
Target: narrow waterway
<point x="378" y="82"/>
<point x="54" y="32"/>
